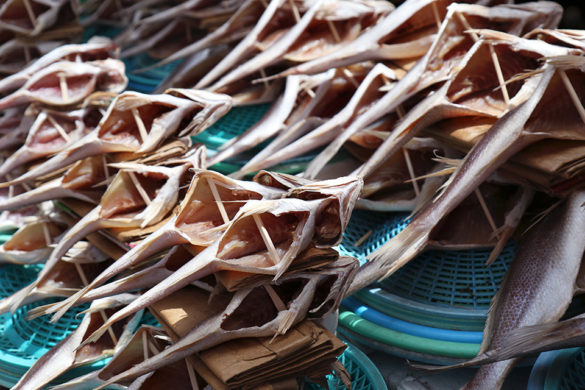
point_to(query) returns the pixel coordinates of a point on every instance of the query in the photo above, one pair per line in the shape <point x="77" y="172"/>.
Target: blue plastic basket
<point x="364" y="374"/>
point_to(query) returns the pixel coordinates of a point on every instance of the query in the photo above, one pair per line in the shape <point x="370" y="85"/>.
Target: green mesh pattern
<point x="573" y="377"/>
<point x="451" y="278"/>
<point x="232" y="124"/>
<point x="147" y="81"/>
<point x="364" y="374"/>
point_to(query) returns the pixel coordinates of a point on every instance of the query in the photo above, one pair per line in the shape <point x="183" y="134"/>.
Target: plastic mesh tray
<point x="364" y="374"/>
<point x="450" y="278"/>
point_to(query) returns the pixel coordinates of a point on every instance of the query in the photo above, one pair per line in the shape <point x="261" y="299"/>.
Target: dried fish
<point x="139" y="123"/>
<point x="65" y="83"/>
<point x="236" y="320"/>
<point x="538" y="287"/>
<point x="96" y="49"/>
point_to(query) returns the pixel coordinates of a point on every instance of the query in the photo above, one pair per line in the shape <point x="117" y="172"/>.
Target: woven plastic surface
<point x="364" y="374"/>
<point x="146" y="81"/>
<point x="449" y="278"/>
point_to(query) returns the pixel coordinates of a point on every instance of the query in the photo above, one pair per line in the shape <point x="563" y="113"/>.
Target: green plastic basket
<point x="364" y="374"/>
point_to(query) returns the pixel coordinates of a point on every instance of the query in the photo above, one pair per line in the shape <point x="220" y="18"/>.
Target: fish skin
<point x="539" y="284"/>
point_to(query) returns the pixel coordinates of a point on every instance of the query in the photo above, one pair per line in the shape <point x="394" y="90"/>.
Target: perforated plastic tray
<point x="449" y="289"/>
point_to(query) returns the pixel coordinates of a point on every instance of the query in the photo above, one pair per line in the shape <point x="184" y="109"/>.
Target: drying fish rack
<point x="559" y="370"/>
<point x="433" y="309"/>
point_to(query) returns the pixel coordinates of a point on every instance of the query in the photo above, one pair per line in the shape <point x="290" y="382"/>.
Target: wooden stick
<point x="264" y="81"/>
<point x="26" y="54"/>
<point x="487" y="213"/>
<point x="139" y="187"/>
<point x="192" y="377"/>
<point x="295" y="10"/>
<point x="499" y="74"/>
<point x="59" y="128"/>
<point x="467" y="26"/>
<point x="30" y="12"/>
<point x="266" y="238"/>
<point x="363" y="238"/>
<point x="348" y="73"/>
<point x="278" y="303"/>
<point x="215" y="193"/>
<point x="140" y="124"/>
<point x="85" y="282"/>
<point x="334" y="31"/>
<point x="573" y="94"/>
<point x="144" y="345"/>
<point x="63" y="86"/>
<point x="48" y="239"/>
<point x="411" y="171"/>
<point x="106" y="171"/>
<point x="437" y="16"/>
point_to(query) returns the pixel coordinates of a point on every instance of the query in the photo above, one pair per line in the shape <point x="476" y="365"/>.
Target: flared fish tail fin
<point x="391" y="256"/>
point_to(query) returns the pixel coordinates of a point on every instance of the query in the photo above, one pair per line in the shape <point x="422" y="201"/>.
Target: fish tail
<point x="391" y="256"/>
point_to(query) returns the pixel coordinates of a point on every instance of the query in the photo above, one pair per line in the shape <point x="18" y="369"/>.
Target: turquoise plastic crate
<point x="364" y="374"/>
<point x="559" y="370"/>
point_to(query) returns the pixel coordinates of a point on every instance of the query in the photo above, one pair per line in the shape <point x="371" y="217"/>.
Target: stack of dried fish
<point x="463" y="100"/>
<point x="31" y="28"/>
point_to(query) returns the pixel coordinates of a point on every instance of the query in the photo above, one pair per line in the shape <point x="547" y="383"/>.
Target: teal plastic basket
<point x="364" y="374"/>
<point x="443" y="289"/>
<point x="559" y="370"/>
<point x="22" y="342"/>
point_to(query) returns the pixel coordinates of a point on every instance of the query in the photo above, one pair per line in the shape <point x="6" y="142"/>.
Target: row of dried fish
<point x="266" y="239"/>
<point x="497" y="87"/>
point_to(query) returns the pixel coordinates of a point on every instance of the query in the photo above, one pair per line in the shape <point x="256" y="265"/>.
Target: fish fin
<point x="132" y="100"/>
<point x="395" y="253"/>
<point x="490" y="322"/>
<point x="38" y="311"/>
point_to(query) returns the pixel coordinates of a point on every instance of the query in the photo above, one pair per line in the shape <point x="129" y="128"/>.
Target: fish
<point x="83" y="261"/>
<point x="236" y="320"/>
<point x="31" y="243"/>
<point x="97" y="48"/>
<point x="147" y="340"/>
<point x="537" y="288"/>
<point x="233" y="30"/>
<point x="66" y="83"/>
<point x="24" y="18"/>
<point x="14" y="125"/>
<point x="16" y="54"/>
<point x="520" y="127"/>
<point x="209" y="206"/>
<point x="139" y="123"/>
<point x="51" y="132"/>
<point x="325" y="132"/>
<point x="439" y="64"/>
<point x="300" y="43"/>
<point x="82" y="181"/>
<point x="414" y="16"/>
<point x="265" y="237"/>
<point x="139" y="196"/>
<point x="68" y="353"/>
